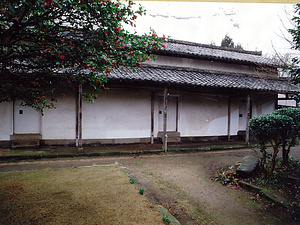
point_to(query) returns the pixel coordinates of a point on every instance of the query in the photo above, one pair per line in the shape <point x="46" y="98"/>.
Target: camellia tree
<point x="48" y="46"/>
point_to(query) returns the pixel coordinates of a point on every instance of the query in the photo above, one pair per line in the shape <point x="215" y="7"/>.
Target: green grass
<point x="93" y="195"/>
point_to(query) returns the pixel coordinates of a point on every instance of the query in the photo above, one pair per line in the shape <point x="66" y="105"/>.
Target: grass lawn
<point x="95" y="195"/>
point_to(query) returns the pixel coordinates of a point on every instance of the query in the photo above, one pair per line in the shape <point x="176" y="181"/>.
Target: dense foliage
<point x="289" y="139"/>
<point x="280" y="129"/>
<point x="51" y="46"/>
<point x="227" y="42"/>
<point x="294" y="68"/>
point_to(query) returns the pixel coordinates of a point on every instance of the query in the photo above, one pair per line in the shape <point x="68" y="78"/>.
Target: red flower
<point x="114" y="64"/>
<point x="106" y="34"/>
<point x="118" y="29"/>
<point x="163" y="45"/>
<point x="133" y="17"/>
<point x="139" y="64"/>
<point x="107" y="71"/>
<point x="62" y="57"/>
<point x="154" y="35"/>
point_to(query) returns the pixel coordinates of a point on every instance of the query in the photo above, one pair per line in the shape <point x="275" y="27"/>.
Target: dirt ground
<point x="182" y="184"/>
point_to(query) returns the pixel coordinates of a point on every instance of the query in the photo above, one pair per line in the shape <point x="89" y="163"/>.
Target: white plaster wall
<point x="242" y="117"/>
<point x="60" y="123"/>
<point x="171" y="114"/>
<point x="287" y="103"/>
<point x="26" y="119"/>
<point x="263" y="104"/>
<point x="234" y="120"/>
<point x="118" y="113"/>
<point x="5" y="121"/>
<point x="201" y="64"/>
<point x="203" y="116"/>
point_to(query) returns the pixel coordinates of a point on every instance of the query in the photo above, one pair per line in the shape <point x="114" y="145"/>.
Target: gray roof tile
<point x="202" y="78"/>
<point x="217" y="53"/>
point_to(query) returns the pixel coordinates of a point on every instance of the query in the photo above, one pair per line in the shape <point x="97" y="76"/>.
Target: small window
<point x="240" y="115"/>
<point x="20" y="111"/>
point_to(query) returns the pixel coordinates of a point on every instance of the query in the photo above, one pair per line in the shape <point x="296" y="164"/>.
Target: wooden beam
<point x="152" y="118"/>
<point x="13" y="118"/>
<point x="177" y="117"/>
<point x="80" y="118"/>
<point x="165" y="136"/>
<point x="229" y="118"/>
<point x="248" y="115"/>
<point x="77" y="117"/>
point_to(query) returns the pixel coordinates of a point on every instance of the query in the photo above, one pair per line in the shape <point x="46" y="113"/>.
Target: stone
<point x="248" y="165"/>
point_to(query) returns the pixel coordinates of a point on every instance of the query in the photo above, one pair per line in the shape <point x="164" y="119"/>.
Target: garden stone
<point x="248" y="165"/>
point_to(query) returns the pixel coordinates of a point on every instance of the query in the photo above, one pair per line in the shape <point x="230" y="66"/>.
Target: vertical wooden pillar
<point x="247" y="138"/>
<point x="229" y="118"/>
<point x="13" y="118"/>
<point x="165" y="136"/>
<point x="77" y="116"/>
<point x="80" y="117"/>
<point x="177" y="114"/>
<point x="152" y="118"/>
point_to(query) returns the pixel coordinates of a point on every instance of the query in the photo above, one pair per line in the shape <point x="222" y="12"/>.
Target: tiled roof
<point x="202" y="78"/>
<point x="217" y="53"/>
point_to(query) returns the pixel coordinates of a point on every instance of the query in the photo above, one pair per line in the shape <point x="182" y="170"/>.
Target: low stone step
<point x="173" y="136"/>
<point x="25" y="140"/>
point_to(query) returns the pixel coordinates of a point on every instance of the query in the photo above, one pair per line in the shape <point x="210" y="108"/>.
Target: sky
<point x="256" y="26"/>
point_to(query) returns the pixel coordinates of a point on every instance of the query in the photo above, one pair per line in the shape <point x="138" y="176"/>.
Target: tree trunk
<point x="276" y="149"/>
<point x="263" y="158"/>
<point x="285" y="157"/>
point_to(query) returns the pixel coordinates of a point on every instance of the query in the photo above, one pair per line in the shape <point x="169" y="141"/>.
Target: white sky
<point x="254" y="25"/>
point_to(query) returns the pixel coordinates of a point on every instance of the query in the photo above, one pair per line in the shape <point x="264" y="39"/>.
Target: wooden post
<point x="13" y="118"/>
<point x="80" y="117"/>
<point x="165" y="136"/>
<point x="247" y="138"/>
<point x="77" y="116"/>
<point x="177" y="114"/>
<point x="229" y="118"/>
<point x="152" y="118"/>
